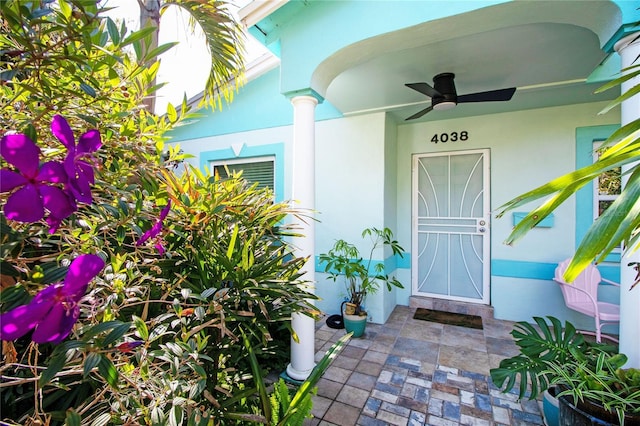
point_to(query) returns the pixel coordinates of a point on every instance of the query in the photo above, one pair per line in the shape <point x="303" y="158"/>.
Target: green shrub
<point x="190" y="261"/>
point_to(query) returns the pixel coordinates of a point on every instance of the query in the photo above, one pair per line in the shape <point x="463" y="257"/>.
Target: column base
<point x="296" y="375"/>
<point x="287" y="378"/>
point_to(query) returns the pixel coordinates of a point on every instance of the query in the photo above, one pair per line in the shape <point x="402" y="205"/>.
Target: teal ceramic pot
<point x="550" y="407"/>
<point x="355" y="324"/>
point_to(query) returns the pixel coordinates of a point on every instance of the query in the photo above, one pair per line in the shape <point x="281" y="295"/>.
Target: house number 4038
<point x="450" y="137"/>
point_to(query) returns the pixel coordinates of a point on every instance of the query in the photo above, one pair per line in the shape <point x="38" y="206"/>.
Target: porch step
<point x="484" y="311"/>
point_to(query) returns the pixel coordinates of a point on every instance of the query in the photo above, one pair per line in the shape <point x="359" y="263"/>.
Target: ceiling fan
<point x="443" y="94"/>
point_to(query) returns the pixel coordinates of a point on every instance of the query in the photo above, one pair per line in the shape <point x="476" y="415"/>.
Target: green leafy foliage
<point x="555" y="354"/>
<point x="158" y="340"/>
<point x="538" y="345"/>
<point x="362" y="277"/>
<point x="279" y="408"/>
<point x="601" y="380"/>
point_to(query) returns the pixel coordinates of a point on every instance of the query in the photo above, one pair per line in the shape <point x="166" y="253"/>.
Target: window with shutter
<point x="260" y="170"/>
<point x="262" y="163"/>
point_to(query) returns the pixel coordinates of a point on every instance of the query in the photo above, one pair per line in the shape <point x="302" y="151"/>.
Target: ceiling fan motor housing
<point x="443" y="83"/>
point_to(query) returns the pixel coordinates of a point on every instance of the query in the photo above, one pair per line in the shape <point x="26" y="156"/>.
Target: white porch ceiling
<point x="548" y="62"/>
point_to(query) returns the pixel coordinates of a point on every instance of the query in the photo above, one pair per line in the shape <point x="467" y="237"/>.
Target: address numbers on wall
<point x="450" y="137"/>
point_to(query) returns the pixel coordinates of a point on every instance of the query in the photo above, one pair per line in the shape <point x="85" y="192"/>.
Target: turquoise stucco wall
<point x="257" y="105"/>
<point x="350" y="182"/>
<point x="363" y="163"/>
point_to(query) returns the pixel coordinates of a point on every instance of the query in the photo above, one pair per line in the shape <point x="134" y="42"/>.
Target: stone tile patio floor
<point x="414" y="372"/>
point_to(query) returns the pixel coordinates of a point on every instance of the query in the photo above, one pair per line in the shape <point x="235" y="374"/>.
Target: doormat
<point x="462" y="320"/>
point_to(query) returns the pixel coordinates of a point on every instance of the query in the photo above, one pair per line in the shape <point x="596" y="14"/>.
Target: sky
<point x="185" y="67"/>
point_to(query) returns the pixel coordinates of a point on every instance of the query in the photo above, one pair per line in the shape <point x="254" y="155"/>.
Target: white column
<point x="629" y="300"/>
<point x="304" y="190"/>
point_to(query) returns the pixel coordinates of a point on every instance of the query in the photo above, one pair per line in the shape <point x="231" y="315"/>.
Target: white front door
<point x="450" y="222"/>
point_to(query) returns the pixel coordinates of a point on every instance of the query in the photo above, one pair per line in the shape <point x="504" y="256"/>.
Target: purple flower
<point x="53" y="311"/>
<point x="80" y="172"/>
<point x="128" y="347"/>
<point x="155" y="229"/>
<point x="33" y="192"/>
<point x="160" y="247"/>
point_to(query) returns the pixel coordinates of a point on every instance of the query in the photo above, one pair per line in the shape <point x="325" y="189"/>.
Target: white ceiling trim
<point x="256" y="11"/>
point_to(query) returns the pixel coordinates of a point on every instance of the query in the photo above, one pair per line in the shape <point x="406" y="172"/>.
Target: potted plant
<point x="589" y="382"/>
<point x="362" y="277"/>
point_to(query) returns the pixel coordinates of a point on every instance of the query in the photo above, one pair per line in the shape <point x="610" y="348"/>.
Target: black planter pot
<point x="588" y="413"/>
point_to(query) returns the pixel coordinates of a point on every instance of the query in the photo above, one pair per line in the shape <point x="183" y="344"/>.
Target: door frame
<point x="486" y="242"/>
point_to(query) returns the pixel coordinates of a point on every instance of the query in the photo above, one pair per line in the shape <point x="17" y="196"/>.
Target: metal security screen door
<point x="451" y="225"/>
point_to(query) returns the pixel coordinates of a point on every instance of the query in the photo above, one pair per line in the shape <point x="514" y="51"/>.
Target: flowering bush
<point x="130" y="294"/>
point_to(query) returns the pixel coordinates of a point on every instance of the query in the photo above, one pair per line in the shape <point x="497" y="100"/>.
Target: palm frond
<point x="225" y="41"/>
<point x="620" y="222"/>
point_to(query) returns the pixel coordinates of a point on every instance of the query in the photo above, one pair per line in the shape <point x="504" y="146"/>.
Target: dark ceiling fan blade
<point x="419" y="114"/>
<point x="489" y="96"/>
<point x="424" y="88"/>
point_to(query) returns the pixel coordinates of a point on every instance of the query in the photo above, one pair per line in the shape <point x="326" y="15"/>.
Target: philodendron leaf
<point x="539" y="345"/>
<point x="523" y="370"/>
